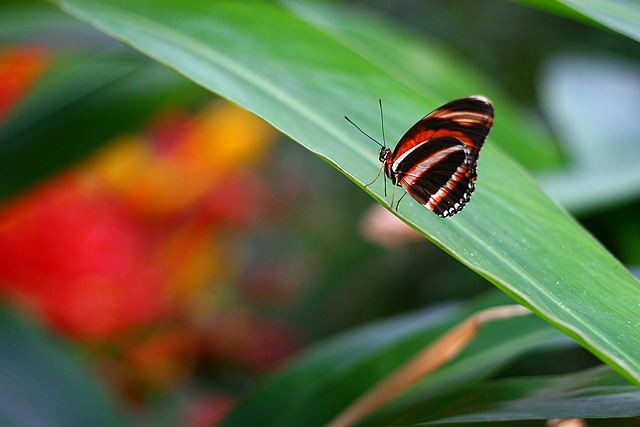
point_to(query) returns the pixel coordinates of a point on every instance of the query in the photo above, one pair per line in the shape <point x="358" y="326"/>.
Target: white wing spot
<point x="480" y="98"/>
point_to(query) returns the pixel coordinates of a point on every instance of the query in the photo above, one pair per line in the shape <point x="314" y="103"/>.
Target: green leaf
<point x="32" y="22"/>
<point x="314" y="387"/>
<point x="302" y="79"/>
<point x="622" y="16"/>
<point x="424" y="65"/>
<point x="43" y="383"/>
<point x="594" y="393"/>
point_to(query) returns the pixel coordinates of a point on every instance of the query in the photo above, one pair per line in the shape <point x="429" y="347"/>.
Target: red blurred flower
<point x="182" y="158"/>
<point x="19" y="69"/>
<point x="77" y="255"/>
<point x="110" y="246"/>
<point x="138" y="250"/>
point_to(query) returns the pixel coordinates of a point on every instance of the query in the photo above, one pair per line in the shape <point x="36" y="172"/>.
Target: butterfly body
<point x="435" y="161"/>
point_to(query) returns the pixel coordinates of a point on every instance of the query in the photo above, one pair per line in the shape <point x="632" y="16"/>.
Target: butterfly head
<point x="384" y="154"/>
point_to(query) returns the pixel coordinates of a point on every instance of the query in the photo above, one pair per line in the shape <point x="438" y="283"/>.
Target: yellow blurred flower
<point x="160" y="180"/>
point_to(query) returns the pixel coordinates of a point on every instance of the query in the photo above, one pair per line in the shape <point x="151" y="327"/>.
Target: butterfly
<point x="436" y="159"/>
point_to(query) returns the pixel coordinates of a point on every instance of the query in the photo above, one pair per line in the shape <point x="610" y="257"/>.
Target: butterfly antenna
<point x="382" y="121"/>
<point x="363" y="132"/>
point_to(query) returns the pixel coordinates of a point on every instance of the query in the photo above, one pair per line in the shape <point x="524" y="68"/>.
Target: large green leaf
<point x="594" y="393"/>
<point x="302" y="77"/>
<point x="313" y="388"/>
<point x="425" y="67"/>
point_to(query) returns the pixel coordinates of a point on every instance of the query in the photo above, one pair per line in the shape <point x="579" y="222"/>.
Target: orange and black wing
<point x="435" y="161"/>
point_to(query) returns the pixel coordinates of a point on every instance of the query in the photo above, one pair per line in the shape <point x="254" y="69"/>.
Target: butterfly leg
<point x="398" y="204"/>
<point x="378" y="176"/>
<point x="394" y="193"/>
<point x="385" y="186"/>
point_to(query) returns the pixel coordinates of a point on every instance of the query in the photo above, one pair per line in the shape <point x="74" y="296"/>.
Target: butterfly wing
<point x="435" y="161"/>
